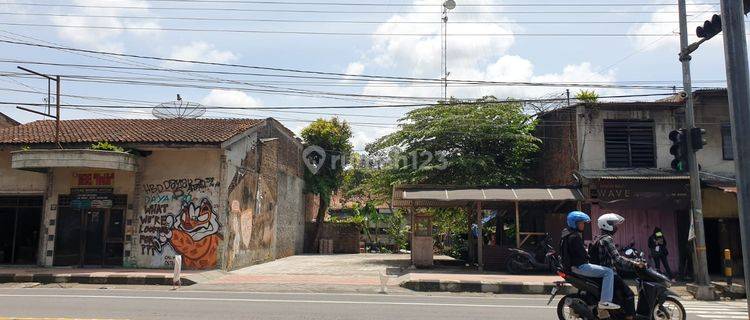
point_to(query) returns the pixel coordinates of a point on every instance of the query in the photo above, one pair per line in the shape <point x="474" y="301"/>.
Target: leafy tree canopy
<point x="332" y="137"/>
<point x="486" y="142"/>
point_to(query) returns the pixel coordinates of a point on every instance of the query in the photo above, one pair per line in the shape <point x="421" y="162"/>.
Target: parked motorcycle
<point x="522" y="261"/>
<point x="655" y="300"/>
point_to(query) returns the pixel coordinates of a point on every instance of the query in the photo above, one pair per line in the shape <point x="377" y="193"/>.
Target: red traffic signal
<point x="710" y="28"/>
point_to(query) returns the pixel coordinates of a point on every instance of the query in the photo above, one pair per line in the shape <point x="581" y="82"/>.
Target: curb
<point x="484" y="287"/>
<point x="83" y="278"/>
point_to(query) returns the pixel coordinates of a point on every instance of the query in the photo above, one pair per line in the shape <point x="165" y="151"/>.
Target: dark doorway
<point x="20" y="222"/>
<point x="722" y="234"/>
<point x="89" y="237"/>
<point x="93" y="241"/>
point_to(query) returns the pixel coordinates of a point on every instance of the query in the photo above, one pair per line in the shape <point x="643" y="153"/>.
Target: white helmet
<point x="608" y="221"/>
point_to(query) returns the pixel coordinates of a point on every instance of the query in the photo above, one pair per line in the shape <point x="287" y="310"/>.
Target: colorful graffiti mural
<point x="180" y="218"/>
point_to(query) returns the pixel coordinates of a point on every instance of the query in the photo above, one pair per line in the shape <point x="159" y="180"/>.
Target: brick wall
<point x="6" y="122"/>
<point x="557" y="159"/>
<point x="345" y="236"/>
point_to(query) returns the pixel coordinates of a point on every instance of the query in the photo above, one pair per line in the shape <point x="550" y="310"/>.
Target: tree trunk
<point x="322" y="209"/>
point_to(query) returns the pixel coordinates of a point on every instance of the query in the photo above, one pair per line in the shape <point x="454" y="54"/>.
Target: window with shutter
<point x="629" y="144"/>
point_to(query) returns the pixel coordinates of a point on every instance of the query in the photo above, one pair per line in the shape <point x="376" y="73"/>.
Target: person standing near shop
<point x="658" y="247"/>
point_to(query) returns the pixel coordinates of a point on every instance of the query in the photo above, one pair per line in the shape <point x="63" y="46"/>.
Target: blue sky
<point x="641" y="54"/>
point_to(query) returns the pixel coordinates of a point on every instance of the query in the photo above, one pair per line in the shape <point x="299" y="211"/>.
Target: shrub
<point x="106" y="146"/>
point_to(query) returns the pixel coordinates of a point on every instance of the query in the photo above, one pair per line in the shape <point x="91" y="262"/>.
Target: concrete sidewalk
<point x="103" y="275"/>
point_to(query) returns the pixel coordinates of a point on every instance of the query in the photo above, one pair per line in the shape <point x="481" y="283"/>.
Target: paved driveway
<point x="316" y="273"/>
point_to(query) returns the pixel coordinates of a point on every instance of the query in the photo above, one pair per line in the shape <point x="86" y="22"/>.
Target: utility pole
<point x="56" y="79"/>
<point x="738" y="88"/>
<point x="447" y="5"/>
<point x="702" y="279"/>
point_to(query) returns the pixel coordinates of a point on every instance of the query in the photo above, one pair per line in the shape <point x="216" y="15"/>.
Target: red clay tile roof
<point x="128" y="131"/>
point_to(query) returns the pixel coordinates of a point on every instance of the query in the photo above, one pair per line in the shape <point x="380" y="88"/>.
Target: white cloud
<point x="355" y="68"/>
<point x="483" y="58"/>
<point x="420" y="55"/>
<point x="697" y="13"/>
<point x="229" y="98"/>
<point x="103" y="39"/>
<point x="200" y="51"/>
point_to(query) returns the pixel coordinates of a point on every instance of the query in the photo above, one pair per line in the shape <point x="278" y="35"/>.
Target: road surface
<point x="138" y="303"/>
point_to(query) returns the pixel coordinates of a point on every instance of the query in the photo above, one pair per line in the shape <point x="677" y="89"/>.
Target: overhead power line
<point x="417" y="105"/>
<point x="296" y="71"/>
<point x="224" y="9"/>
<point x="326" y="33"/>
<point x="324" y="79"/>
<point x="230" y="19"/>
<point x="155" y="80"/>
<point x="375" y="4"/>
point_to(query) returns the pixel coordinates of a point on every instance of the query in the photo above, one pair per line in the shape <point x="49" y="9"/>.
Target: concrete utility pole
<point x="702" y="279"/>
<point x="738" y="87"/>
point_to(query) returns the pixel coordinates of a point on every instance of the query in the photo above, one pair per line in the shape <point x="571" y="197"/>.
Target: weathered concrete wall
<point x="14" y="181"/>
<point x="710" y="114"/>
<point x="593" y="148"/>
<point x="265" y="197"/>
<point x="179" y="209"/>
<point x="290" y="227"/>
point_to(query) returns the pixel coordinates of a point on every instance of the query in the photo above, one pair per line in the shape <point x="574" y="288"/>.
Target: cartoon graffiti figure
<point x="194" y="234"/>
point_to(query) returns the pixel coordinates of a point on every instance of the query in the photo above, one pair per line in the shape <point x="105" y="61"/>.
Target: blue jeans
<point x="597" y="271"/>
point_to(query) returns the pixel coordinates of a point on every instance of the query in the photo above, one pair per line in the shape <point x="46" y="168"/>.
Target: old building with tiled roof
<point x="619" y="153"/>
<point x="217" y="193"/>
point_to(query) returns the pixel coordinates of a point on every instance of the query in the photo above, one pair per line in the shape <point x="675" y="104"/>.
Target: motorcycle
<point x="522" y="261"/>
<point x="630" y="252"/>
<point x="655" y="300"/>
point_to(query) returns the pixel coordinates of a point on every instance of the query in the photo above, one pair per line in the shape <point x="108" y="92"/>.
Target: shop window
<point x="727" y="145"/>
<point x="629" y="144"/>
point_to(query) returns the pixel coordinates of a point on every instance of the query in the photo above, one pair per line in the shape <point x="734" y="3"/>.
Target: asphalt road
<point x="77" y="303"/>
<point x="184" y="304"/>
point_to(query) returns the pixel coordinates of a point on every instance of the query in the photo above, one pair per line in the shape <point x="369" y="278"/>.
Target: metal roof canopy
<point x="432" y="196"/>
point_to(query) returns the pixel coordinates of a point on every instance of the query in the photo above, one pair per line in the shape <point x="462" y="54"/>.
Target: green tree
<point x="487" y="142"/>
<point x="323" y="175"/>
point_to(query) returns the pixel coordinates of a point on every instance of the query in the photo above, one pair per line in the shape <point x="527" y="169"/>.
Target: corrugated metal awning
<point x="415" y="196"/>
<point x="642" y="174"/>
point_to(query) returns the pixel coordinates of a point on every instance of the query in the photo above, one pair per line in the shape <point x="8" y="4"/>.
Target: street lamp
<point x="447" y="5"/>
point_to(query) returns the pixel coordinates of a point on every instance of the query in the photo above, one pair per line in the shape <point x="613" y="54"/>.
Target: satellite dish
<point x="178" y="109"/>
<point x="449" y="4"/>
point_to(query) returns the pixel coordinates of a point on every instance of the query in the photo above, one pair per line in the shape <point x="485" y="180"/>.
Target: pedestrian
<point x="657" y="244"/>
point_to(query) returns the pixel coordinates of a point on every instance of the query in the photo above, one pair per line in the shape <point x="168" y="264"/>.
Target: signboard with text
<point x="91" y="198"/>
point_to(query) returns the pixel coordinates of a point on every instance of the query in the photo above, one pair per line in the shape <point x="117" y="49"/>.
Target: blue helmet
<point x="577" y="216"/>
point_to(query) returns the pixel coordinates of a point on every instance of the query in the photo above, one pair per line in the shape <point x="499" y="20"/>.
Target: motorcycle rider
<point x="576" y="259"/>
<point x="605" y="253"/>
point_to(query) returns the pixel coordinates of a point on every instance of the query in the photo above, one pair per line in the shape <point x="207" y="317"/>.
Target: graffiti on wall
<point x="180" y="217"/>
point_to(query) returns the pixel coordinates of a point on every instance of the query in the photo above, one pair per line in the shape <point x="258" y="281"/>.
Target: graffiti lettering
<point x="179" y="214"/>
<point x="182" y="186"/>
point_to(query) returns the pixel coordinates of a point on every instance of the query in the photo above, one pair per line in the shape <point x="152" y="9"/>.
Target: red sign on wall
<point x="94" y="179"/>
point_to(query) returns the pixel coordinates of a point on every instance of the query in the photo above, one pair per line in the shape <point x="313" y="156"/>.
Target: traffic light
<point x="679" y="149"/>
<point x="697" y="138"/>
<point x="710" y="28"/>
